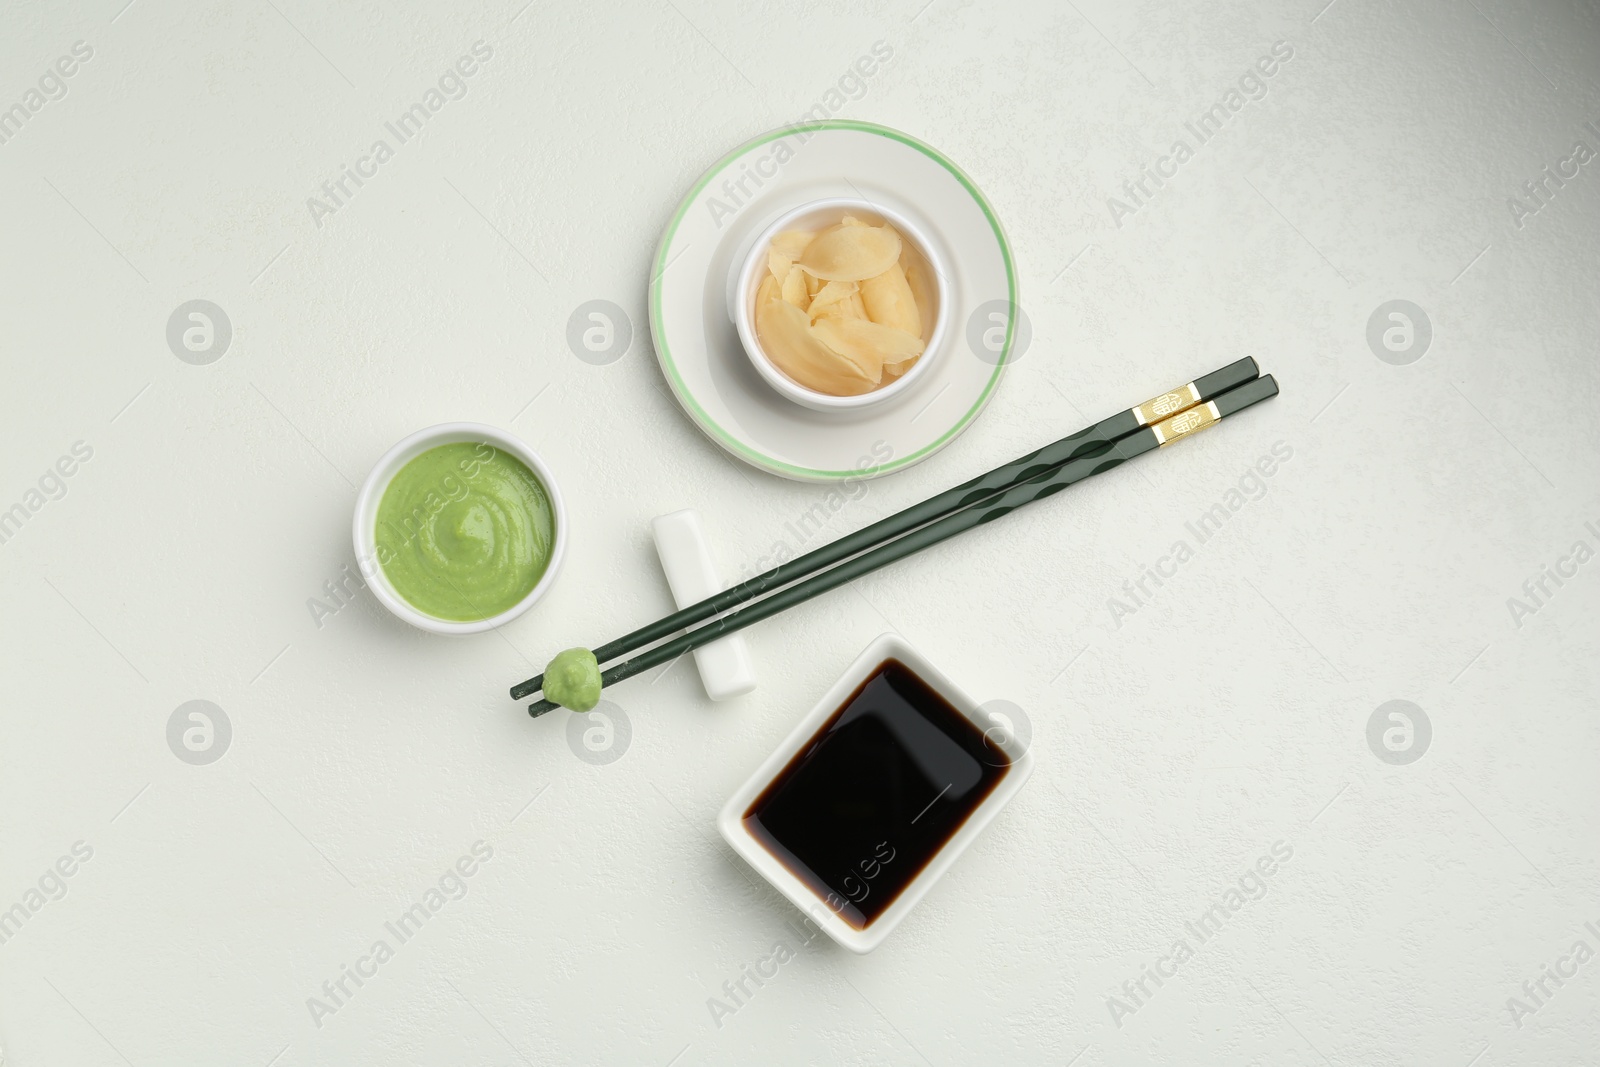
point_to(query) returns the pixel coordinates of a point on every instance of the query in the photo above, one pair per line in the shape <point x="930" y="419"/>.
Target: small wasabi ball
<point x="573" y="679"/>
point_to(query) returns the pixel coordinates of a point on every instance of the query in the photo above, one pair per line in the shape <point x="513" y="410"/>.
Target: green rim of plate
<point x="664" y="353"/>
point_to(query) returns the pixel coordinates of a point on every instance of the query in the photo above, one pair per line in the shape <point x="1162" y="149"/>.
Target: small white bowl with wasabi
<point x="459" y="528"/>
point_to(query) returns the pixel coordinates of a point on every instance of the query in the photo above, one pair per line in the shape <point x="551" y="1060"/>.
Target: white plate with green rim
<point x="708" y="239"/>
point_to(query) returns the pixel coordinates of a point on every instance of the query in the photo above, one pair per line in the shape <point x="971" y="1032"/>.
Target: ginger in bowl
<point x="845" y="306"/>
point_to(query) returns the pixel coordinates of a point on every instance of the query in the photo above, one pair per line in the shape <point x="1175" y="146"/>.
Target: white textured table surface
<point x="1206" y="721"/>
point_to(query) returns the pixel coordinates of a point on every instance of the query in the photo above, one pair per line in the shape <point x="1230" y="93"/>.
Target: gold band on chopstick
<point x="1185" y="423"/>
<point x="1167" y="404"/>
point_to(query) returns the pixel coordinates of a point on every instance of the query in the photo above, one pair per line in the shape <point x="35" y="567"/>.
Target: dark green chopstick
<point x="996" y="481"/>
<point x="1102" y="457"/>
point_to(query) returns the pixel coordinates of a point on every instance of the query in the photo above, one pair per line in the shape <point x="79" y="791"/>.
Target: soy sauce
<point x="876" y="793"/>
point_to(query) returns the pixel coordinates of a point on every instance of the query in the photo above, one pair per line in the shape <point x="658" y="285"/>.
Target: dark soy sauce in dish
<point x="876" y="793"/>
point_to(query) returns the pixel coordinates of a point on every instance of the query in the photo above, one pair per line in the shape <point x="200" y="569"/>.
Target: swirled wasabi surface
<point x="464" y="531"/>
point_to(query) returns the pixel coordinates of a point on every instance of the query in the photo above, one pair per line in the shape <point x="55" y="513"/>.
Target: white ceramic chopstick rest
<point x="724" y="665"/>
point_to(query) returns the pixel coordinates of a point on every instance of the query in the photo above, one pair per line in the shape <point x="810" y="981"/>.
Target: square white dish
<point x="731" y="824"/>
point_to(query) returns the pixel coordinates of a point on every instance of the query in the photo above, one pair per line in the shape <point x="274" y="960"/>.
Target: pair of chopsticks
<point x="1109" y="443"/>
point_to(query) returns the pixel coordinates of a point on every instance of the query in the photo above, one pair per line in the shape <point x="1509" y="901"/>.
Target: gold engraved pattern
<point x="1166" y="405"/>
<point x="1186" y="423"/>
<point x="1153" y="411"/>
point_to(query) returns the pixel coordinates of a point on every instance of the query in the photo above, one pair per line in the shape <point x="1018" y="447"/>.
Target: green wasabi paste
<point x="573" y="679"/>
<point x="464" y="531"/>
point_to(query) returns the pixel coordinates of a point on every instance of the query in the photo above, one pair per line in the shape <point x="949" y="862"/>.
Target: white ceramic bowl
<point x="365" y="526"/>
<point x="730" y="823"/>
<point x="815" y="215"/>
